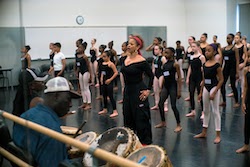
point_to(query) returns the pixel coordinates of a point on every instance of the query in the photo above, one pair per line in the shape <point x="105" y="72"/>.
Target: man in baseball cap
<point x="57" y="102"/>
<point x="60" y="84"/>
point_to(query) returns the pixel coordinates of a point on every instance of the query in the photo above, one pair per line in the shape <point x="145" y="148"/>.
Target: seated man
<point x="57" y="101"/>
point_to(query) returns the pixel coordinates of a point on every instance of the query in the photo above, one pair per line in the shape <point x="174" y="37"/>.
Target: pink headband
<point x="138" y="40"/>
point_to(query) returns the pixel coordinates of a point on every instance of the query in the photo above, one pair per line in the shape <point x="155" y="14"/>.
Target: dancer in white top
<point x="59" y="61"/>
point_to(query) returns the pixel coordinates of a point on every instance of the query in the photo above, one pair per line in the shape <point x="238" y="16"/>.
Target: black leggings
<point x="56" y="73"/>
<point x="192" y="85"/>
<point x="229" y="72"/>
<point x="107" y="91"/>
<point x="247" y="126"/>
<point x="115" y="81"/>
<point x="172" y="91"/>
<point x="100" y="87"/>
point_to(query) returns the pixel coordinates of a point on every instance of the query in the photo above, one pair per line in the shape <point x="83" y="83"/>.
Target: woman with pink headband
<point x="136" y="109"/>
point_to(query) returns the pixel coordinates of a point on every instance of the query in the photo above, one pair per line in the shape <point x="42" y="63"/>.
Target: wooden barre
<point x="13" y="158"/>
<point x="99" y="153"/>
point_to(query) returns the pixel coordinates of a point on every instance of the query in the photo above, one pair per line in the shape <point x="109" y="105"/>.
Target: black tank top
<point x="93" y="55"/>
<point x="179" y="54"/>
<point x="158" y="66"/>
<point x="24" y="63"/>
<point x="122" y="59"/>
<point x="106" y="71"/>
<point x="189" y="54"/>
<point x="169" y="73"/>
<point x="196" y="65"/>
<point x="203" y="50"/>
<point x="241" y="52"/>
<point x="112" y="56"/>
<point x="210" y="76"/>
<point x="229" y="56"/>
<point x="81" y="64"/>
<point x="99" y="62"/>
<point x="217" y="45"/>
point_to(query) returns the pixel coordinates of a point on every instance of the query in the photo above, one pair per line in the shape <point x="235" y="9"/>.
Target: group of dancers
<point x="209" y="67"/>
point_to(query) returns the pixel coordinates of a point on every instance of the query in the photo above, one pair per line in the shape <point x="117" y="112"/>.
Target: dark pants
<point x="56" y="73"/>
<point x="194" y="84"/>
<point x="229" y="71"/>
<point x="107" y="91"/>
<point x="172" y="91"/>
<point x="137" y="113"/>
<point x="100" y="87"/>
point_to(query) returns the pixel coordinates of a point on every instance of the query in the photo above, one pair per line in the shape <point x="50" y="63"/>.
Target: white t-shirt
<point x="58" y="61"/>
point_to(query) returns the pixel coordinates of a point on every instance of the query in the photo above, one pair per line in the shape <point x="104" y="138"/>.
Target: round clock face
<point x="79" y="20"/>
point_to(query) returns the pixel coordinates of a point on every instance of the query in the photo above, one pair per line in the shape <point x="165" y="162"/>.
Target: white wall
<point x="9" y="13"/>
<point x="206" y="16"/>
<point x="108" y="13"/>
<point x="231" y="16"/>
<point x="182" y="17"/>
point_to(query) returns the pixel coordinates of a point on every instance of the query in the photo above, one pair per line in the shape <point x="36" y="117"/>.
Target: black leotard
<point x="241" y="52"/>
<point x="210" y="76"/>
<point x="93" y="55"/>
<point x="24" y="63"/>
<point x="158" y="66"/>
<point x="169" y="72"/>
<point x="203" y="50"/>
<point x="229" y="70"/>
<point x="99" y="61"/>
<point x="122" y="59"/>
<point x="196" y="65"/>
<point x="81" y="64"/>
<point x="179" y="54"/>
<point x="189" y="54"/>
<point x="229" y="57"/>
<point x="106" y="71"/>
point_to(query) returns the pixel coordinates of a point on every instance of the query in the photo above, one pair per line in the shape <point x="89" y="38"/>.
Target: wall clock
<point x="79" y="20"/>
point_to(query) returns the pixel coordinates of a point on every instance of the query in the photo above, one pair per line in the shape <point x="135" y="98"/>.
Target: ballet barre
<point x="97" y="152"/>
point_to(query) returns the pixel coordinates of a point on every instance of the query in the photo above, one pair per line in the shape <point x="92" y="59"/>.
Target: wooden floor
<point x="182" y="148"/>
